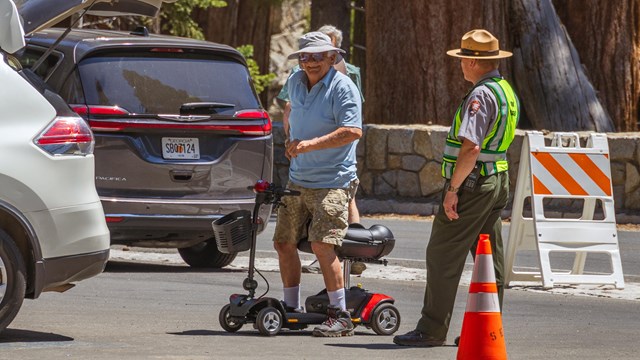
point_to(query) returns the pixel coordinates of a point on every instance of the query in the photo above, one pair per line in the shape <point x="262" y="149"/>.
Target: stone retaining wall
<point x="399" y="169"/>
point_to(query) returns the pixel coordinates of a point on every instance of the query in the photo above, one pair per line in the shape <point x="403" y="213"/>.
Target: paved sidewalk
<point x="267" y="261"/>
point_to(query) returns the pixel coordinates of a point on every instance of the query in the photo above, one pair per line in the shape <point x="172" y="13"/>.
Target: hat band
<point x="469" y="52"/>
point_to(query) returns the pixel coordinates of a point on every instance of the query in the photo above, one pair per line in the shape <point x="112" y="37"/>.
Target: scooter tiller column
<point x="346" y="273"/>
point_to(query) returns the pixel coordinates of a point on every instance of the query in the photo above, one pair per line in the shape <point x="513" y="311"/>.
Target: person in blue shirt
<point x="353" y="72"/>
<point x="325" y="124"/>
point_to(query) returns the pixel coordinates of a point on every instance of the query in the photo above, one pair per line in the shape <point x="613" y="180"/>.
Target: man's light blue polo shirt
<point x="332" y="103"/>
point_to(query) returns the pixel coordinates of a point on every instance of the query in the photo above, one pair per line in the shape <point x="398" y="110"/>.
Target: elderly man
<point x="353" y="72"/>
<point x="477" y="184"/>
<point x="324" y="126"/>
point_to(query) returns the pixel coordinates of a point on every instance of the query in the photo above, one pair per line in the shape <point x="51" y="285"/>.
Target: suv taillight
<point x="66" y="135"/>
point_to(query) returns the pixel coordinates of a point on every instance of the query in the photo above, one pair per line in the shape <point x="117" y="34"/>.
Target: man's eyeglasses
<point x="306" y="57"/>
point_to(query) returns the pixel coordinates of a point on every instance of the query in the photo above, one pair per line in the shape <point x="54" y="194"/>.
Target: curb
<point x="368" y="206"/>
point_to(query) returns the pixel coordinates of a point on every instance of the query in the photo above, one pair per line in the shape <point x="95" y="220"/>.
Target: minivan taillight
<point x="84" y="110"/>
<point x="66" y="135"/>
<point x="114" y="126"/>
<point x="264" y="129"/>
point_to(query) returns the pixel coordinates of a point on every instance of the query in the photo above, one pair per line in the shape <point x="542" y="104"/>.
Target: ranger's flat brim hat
<point x="315" y="42"/>
<point x="479" y="44"/>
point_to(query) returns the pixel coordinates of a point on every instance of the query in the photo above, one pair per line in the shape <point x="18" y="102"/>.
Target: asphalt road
<point x="162" y="310"/>
<point x="412" y="235"/>
<point x="154" y="311"/>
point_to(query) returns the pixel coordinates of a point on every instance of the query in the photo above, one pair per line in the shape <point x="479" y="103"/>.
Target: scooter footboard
<point x="355" y="298"/>
<point x="360" y="243"/>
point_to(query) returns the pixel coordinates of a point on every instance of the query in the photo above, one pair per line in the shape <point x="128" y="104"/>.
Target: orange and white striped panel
<point x="576" y="174"/>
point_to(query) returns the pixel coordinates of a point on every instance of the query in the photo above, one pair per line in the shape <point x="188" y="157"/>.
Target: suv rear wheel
<point x="12" y="280"/>
<point x="206" y="255"/>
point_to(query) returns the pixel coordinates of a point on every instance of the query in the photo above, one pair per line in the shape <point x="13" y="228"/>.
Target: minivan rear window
<point x="159" y="83"/>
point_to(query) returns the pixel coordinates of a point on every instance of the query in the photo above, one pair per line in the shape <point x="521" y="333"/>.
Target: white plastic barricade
<point x="564" y="170"/>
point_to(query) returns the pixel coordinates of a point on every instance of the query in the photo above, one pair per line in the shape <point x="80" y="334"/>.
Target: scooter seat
<point x="361" y="244"/>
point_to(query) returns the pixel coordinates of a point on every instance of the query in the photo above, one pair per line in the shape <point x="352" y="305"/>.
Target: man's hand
<point x="297" y="146"/>
<point x="467" y="157"/>
<point x="286" y="152"/>
<point x="450" y="205"/>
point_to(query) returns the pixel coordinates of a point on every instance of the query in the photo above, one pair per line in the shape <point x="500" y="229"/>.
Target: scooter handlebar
<point x="291" y="192"/>
<point x="279" y="192"/>
<point x="269" y="193"/>
<point x="264" y="187"/>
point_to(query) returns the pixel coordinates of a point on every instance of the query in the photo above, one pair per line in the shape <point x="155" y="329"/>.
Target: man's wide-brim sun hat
<point x="479" y="44"/>
<point x="315" y="42"/>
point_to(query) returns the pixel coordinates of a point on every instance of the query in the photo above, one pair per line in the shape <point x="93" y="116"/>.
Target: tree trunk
<point x="410" y="79"/>
<point x="358" y="48"/>
<point x="606" y="34"/>
<point x="241" y="23"/>
<point x="336" y="13"/>
<point x="358" y="45"/>
<point x="219" y="24"/>
<point x="552" y="84"/>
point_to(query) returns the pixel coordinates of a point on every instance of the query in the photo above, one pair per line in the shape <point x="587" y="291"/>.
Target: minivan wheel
<point x="206" y="255"/>
<point x="12" y="280"/>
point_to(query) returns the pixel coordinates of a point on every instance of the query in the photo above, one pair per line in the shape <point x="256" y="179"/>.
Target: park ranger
<point x="476" y="188"/>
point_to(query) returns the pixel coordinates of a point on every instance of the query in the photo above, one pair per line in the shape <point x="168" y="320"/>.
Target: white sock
<point x="292" y="296"/>
<point x="337" y="298"/>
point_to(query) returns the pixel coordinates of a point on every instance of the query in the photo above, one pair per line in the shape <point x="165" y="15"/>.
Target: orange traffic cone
<point x="482" y="337"/>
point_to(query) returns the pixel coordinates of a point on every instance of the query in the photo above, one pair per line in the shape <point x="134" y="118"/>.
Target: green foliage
<point x="176" y="17"/>
<point x="307" y="19"/>
<point x="260" y="81"/>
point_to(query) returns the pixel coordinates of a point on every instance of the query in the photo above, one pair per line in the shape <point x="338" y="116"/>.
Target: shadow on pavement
<point x="199" y="333"/>
<point x="244" y="333"/>
<point x="386" y="346"/>
<point x="17" y="336"/>
<point x="248" y="332"/>
<point x="142" y="267"/>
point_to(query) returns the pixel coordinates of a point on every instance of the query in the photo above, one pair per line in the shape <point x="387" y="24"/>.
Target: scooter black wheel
<point x="385" y="319"/>
<point x="269" y="321"/>
<point x="227" y="323"/>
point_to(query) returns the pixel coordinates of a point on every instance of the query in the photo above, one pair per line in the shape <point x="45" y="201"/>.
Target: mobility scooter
<point x="237" y="231"/>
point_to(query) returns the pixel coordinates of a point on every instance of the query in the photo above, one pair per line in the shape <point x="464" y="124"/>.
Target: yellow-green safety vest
<point x="493" y="152"/>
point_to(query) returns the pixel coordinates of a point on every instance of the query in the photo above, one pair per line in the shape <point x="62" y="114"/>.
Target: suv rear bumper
<point x="71" y="244"/>
<point x="56" y="272"/>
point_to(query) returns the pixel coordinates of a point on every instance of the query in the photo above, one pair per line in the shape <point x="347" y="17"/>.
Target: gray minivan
<point x="180" y="133"/>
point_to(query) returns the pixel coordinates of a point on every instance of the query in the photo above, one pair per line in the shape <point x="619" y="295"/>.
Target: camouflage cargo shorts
<point x="327" y="209"/>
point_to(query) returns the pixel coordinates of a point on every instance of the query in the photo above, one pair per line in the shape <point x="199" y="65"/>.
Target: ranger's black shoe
<point x="417" y="338"/>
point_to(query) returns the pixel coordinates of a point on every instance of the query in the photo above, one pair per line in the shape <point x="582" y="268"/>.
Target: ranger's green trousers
<point x="451" y="241"/>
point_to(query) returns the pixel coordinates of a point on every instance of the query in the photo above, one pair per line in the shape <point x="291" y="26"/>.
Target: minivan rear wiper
<point x="203" y="108"/>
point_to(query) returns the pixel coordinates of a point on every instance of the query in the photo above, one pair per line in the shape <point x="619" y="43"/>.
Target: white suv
<point x="52" y="227"/>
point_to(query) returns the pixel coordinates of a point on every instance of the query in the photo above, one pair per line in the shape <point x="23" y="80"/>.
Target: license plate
<point x="180" y="148"/>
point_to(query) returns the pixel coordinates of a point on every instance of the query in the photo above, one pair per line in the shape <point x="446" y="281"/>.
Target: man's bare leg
<point x="329" y="264"/>
<point x="354" y="214"/>
<point x="290" y="272"/>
